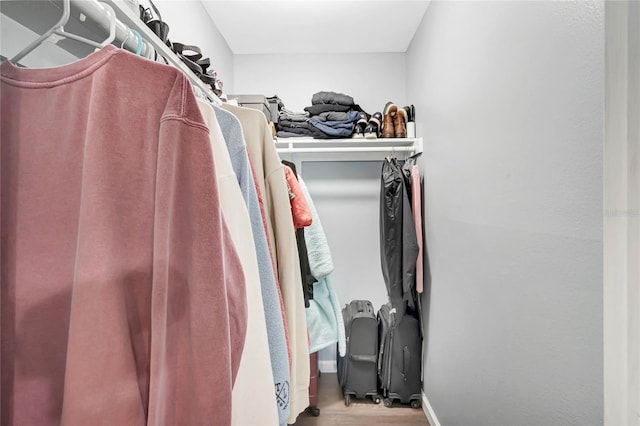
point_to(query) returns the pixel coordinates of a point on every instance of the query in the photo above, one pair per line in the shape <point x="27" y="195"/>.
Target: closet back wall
<point x="346" y="195"/>
<point x="190" y="24"/>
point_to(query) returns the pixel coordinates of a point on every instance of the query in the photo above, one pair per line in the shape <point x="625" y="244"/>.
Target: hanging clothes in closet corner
<point x="416" y="209"/>
<point x="301" y="218"/>
<point x="273" y="305"/>
<point x="123" y="296"/>
<point x="299" y="208"/>
<point x="255" y="378"/>
<point x="324" y="315"/>
<point x="272" y="183"/>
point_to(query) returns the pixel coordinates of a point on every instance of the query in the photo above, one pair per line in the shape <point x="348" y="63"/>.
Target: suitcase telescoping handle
<point x="364" y="358"/>
<point x="361" y="307"/>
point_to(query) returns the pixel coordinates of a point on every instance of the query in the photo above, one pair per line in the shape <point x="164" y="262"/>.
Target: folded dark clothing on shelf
<point x="276" y="99"/>
<point x="357" y="107"/>
<point x="331" y="98"/>
<point x="336" y="130"/>
<point x="319" y="131"/>
<point x="351" y="117"/>
<point x="332" y="116"/>
<point x="318" y="134"/>
<point x="296" y="127"/>
<point x="294" y="117"/>
<point x="298" y="130"/>
<point x="332" y="124"/>
<point x="285" y="134"/>
<point x="318" y="109"/>
<point x="292" y="123"/>
<point x="284" y="112"/>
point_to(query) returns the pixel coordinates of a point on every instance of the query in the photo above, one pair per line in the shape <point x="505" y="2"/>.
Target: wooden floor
<point x="333" y="412"/>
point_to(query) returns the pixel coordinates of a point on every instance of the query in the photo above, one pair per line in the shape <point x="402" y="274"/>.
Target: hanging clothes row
<point x="324" y="315"/>
<point x="150" y="270"/>
<point x="271" y="186"/>
<point x="401" y="234"/>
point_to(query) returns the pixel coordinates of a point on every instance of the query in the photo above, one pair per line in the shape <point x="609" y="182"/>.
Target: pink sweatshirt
<point x="123" y="299"/>
<point x="416" y="207"/>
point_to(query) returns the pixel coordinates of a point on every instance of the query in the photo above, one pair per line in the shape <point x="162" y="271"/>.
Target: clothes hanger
<point x="390" y="154"/>
<point x="143" y="48"/>
<point x="58" y="29"/>
<point x="199" y="93"/>
<point x="150" y="51"/>
<point x="140" y="42"/>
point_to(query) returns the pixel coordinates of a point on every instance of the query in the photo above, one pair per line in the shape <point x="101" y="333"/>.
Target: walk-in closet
<point x="319" y="212"/>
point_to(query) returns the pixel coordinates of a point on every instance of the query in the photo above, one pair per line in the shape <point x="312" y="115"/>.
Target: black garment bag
<point x="398" y="242"/>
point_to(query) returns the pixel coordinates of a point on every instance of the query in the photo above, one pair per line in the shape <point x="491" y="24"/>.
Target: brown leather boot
<point x="390" y="111"/>
<point x="400" y="123"/>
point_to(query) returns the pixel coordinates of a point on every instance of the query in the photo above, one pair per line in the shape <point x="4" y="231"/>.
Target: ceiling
<point x="312" y="26"/>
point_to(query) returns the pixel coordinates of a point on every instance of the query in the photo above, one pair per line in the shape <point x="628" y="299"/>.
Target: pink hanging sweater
<point x="123" y="298"/>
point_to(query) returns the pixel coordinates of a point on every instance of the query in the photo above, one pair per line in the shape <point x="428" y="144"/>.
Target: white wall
<point x="371" y="79"/>
<point x="622" y="216"/>
<point x="189" y="23"/>
<point x="509" y="98"/>
<point x="346" y="195"/>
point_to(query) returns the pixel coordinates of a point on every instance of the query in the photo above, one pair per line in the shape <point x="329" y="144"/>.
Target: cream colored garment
<point x="253" y="396"/>
<point x="273" y="184"/>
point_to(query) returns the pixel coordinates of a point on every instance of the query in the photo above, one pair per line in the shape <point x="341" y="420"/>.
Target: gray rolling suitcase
<point x="399" y="357"/>
<point x="357" y="371"/>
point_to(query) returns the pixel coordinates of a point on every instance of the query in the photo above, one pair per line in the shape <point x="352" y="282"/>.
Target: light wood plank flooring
<point x="333" y="412"/>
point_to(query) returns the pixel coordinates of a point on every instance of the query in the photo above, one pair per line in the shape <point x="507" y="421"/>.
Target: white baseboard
<point x="428" y="411"/>
<point x="328" y="366"/>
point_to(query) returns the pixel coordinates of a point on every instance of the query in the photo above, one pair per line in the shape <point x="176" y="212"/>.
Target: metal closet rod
<point x="94" y="11"/>
<point x="125" y="38"/>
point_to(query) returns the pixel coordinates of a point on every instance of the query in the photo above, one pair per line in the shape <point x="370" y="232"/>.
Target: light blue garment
<point x="232" y="133"/>
<point x="324" y="318"/>
<point x="318" y="250"/>
<point x="324" y="315"/>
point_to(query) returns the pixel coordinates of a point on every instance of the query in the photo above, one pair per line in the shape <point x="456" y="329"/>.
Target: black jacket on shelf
<point x="320" y="108"/>
<point x="331" y="98"/>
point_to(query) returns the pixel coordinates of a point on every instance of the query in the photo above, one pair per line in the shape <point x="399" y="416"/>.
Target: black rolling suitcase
<point x="399" y="357"/>
<point x="357" y="371"/>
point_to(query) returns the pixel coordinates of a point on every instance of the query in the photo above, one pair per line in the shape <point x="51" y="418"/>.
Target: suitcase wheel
<point x="388" y="402"/>
<point x="415" y="403"/>
<point x="376" y="399"/>
<point x="347" y="400"/>
<point x="314" y="411"/>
